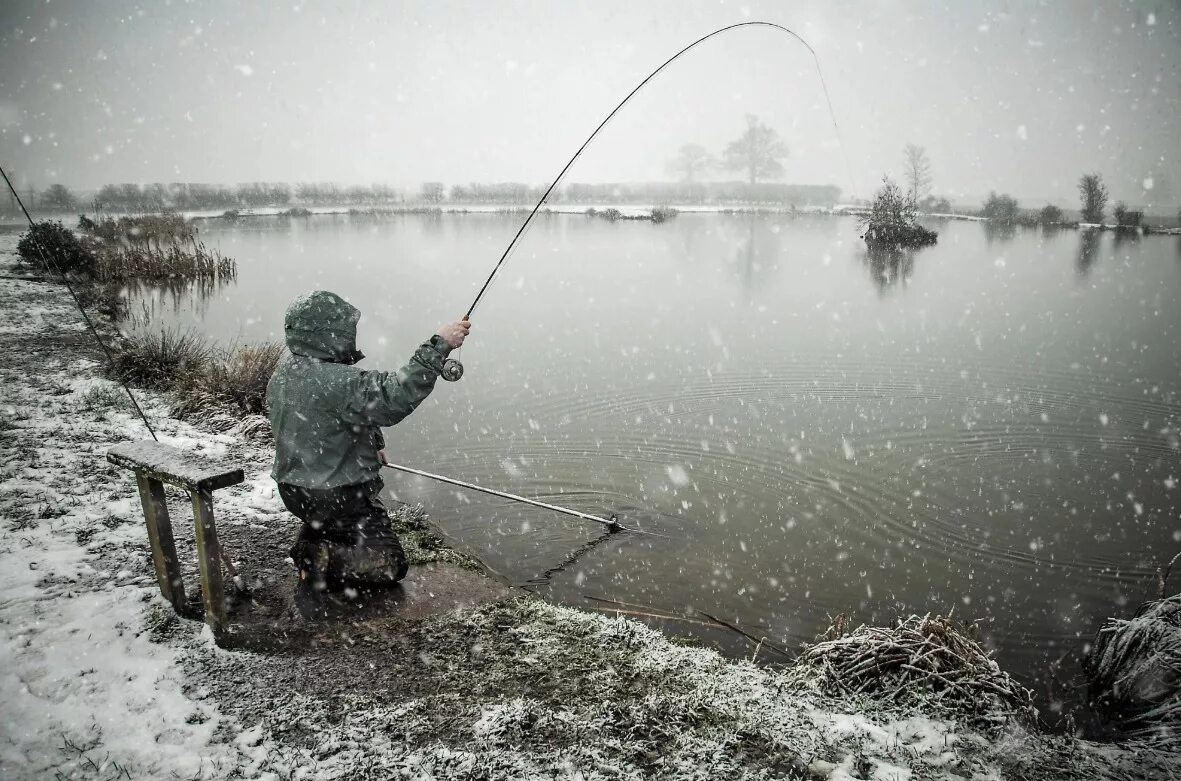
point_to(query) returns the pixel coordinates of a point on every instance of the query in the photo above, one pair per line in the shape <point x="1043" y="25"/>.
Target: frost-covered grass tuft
<point x="235" y="379"/>
<point x="156" y="360"/>
<point x="225" y="389"/>
<point x="1134" y="672"/>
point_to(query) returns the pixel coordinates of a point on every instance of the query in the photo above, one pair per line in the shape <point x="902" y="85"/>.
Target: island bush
<point x="892" y="220"/>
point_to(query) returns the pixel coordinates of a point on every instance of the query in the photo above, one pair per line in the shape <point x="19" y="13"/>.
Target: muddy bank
<point x="101" y="679"/>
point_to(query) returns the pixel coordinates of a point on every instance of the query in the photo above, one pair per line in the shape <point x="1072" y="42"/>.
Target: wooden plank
<point x="173" y="466"/>
<point x="209" y="561"/>
<point x="151" y="495"/>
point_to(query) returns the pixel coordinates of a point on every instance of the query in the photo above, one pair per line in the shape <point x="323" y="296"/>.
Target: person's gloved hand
<point x="454" y="333"/>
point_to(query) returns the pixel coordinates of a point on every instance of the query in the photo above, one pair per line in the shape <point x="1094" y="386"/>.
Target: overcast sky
<point x="1019" y="97"/>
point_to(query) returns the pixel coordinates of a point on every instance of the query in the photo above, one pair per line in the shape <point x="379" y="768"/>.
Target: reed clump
<point x="223" y="387"/>
<point x="930" y="657"/>
<point x="233" y="379"/>
<point x="144" y="229"/>
<point x="153" y="247"/>
<point x="659" y="214"/>
<point x="663" y="214"/>
<point x="171" y="262"/>
<point x="1134" y="670"/>
<point x="156" y="360"/>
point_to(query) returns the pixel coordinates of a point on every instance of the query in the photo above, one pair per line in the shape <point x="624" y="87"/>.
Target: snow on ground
<point x="100" y="680"/>
<point x="86" y="691"/>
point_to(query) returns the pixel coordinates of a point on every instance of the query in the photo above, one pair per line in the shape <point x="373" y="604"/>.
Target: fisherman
<point x="326" y="415"/>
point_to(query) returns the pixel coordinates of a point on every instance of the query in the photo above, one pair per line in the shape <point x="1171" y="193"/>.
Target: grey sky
<point x="1020" y="97"/>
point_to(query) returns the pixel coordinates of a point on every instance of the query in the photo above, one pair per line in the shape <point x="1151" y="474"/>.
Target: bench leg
<point x="151" y="495"/>
<point x="209" y="561"/>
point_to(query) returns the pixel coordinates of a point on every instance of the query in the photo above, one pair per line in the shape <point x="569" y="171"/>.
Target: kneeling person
<point x="326" y="415"/>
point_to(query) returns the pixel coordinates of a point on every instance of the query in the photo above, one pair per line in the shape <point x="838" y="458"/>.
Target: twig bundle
<point x="928" y="652"/>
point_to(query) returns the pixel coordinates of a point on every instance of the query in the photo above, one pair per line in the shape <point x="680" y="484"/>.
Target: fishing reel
<point x="452" y="370"/>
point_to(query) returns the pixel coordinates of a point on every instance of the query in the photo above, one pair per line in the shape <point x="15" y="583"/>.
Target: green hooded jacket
<point x="326" y="413"/>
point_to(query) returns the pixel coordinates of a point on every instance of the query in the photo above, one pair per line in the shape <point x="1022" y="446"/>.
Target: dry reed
<point x="171" y="262"/>
<point x="229" y="389"/>
<point x="1134" y="672"/>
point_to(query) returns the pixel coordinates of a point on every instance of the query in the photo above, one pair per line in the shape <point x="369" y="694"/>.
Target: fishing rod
<point x="452" y="368"/>
<point x="613" y="525"/>
<point x="48" y="261"/>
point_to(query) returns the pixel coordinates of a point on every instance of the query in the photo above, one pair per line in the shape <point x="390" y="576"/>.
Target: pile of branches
<point x="919" y="655"/>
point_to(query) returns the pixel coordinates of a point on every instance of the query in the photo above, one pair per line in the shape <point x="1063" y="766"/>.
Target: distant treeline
<point x="186" y="196"/>
<point x="645" y="192"/>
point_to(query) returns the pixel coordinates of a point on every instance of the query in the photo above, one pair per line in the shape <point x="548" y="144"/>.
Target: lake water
<point x="989" y="426"/>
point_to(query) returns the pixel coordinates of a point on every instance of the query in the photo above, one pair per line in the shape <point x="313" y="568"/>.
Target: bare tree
<point x="691" y="162"/>
<point x="1094" y="197"/>
<point x="918" y="170"/>
<point x="758" y="152"/>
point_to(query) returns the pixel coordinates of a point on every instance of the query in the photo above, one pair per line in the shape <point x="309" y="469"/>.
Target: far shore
<point x="627" y="210"/>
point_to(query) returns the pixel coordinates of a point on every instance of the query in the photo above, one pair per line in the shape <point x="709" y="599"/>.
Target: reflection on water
<point x="146" y="302"/>
<point x="1125" y="236"/>
<point x="889" y="266"/>
<point x="1088" y="250"/>
<point x="998" y="231"/>
<point x="759" y="253"/>
<point x="992" y="438"/>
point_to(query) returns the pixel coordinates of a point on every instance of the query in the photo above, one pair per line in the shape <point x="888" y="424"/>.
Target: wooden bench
<point x="154" y="464"/>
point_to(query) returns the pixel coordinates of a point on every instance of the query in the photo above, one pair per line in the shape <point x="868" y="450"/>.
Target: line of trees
<point x="157" y="197"/>
<point x="1093" y="197"/>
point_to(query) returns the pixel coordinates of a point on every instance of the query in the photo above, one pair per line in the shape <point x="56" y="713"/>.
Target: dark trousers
<point x="346" y="538"/>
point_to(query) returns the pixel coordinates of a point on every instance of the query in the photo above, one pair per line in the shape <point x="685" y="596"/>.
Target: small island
<point x="892" y="221"/>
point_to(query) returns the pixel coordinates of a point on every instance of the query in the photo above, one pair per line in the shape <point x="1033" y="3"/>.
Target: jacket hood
<point x="323" y="325"/>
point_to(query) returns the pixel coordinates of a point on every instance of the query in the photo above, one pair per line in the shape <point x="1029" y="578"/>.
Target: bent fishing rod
<point x="453" y="369"/>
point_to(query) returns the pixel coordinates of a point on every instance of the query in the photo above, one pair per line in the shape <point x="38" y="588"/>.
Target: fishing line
<point x="48" y="261"/>
<point x="549" y="190"/>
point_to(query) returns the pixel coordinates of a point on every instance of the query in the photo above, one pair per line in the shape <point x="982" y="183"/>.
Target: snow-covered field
<point x="99" y="679"/>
